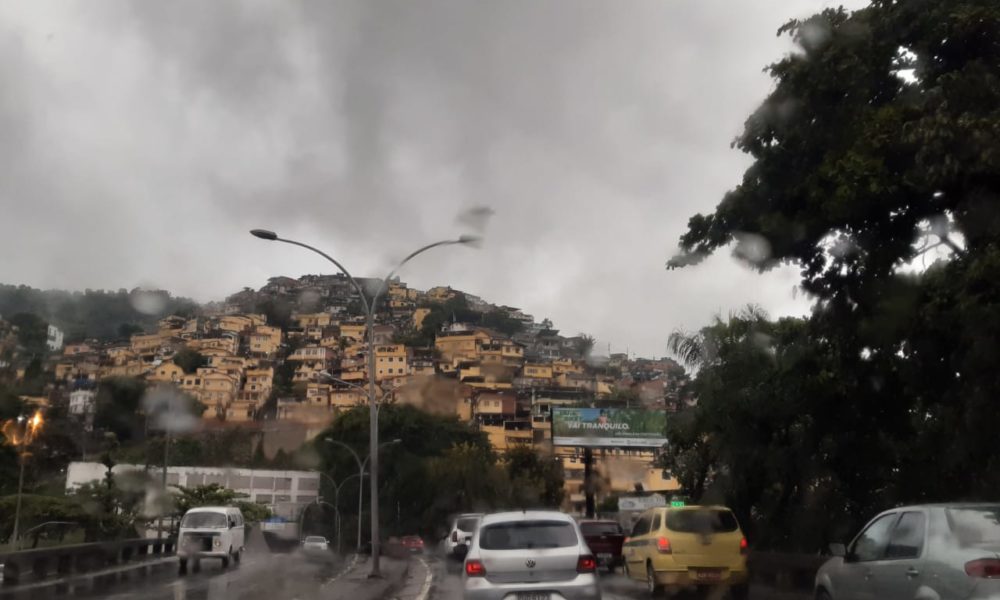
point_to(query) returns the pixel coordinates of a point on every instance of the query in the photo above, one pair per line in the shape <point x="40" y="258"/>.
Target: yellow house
<point x="391" y="360"/>
<point x="74" y="349"/>
<point x="347" y="397"/>
<point x="419" y="314"/>
<point x="460" y="345"/>
<point x="130" y="369"/>
<point x="565" y="365"/>
<point x="306" y="320"/>
<point x="440" y="294"/>
<point x="145" y="345"/>
<point x="258" y="384"/>
<point x="312" y="354"/>
<point x="265" y="340"/>
<point x="228" y="343"/>
<point x="537" y="371"/>
<point x="235" y="323"/>
<point x="397" y="291"/>
<point x="353" y="331"/>
<point x="318" y="394"/>
<point x="166" y="372"/>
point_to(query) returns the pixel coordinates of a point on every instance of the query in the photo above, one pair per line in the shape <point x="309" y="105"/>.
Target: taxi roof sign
<point x="677" y="504"/>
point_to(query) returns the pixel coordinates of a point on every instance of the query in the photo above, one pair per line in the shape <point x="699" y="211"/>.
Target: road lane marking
<point x="350" y="567"/>
<point x="428" y="580"/>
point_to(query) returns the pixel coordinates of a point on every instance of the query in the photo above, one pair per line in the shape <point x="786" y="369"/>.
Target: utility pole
<point x="588" y="483"/>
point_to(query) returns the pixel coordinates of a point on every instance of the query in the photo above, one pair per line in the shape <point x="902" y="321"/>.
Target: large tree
<point x="877" y="153"/>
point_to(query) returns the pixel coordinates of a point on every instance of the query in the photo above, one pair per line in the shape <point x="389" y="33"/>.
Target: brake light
<point x="454" y="536"/>
<point x="988" y="568"/>
<point x="586" y="564"/>
<point x="663" y="545"/>
<point x="475" y="568"/>
<point x="743" y="546"/>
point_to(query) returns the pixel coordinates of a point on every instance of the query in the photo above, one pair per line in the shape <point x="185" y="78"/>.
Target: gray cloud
<point x="139" y="142"/>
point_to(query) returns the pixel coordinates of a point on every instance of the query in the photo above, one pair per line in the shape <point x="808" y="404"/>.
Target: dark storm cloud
<point x="157" y="133"/>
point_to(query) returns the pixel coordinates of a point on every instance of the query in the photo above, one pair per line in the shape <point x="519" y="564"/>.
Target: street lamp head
<point x="396" y="441"/>
<point x="264" y="234"/>
<point x="471" y="240"/>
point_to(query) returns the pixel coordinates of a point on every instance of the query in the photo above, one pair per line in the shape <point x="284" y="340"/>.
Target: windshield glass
<point x="527" y="534"/>
<point x="194" y="520"/>
<point x="468" y="525"/>
<point x="603" y="528"/>
<point x="701" y="521"/>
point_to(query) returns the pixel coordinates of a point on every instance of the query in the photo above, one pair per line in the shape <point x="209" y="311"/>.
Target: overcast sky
<point x="139" y="141"/>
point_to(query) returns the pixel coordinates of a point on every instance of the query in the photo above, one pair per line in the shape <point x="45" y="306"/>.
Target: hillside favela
<point x="251" y="386"/>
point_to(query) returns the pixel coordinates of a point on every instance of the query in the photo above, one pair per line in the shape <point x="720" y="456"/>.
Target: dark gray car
<point x="929" y="552"/>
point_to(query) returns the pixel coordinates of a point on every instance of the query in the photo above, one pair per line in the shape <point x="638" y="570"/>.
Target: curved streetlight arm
<point x="383" y="445"/>
<point x="412" y="255"/>
<point x="357" y="287"/>
<point x="349" y="449"/>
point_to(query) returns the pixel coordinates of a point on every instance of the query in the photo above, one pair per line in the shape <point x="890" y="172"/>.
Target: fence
<point x="35" y="566"/>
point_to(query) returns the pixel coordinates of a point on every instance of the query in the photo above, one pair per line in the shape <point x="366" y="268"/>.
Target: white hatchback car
<point x="210" y="532"/>
<point x="529" y="555"/>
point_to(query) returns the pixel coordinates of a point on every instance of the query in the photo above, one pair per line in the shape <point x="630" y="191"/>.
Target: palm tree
<point x="701" y="348"/>
<point x="584" y="344"/>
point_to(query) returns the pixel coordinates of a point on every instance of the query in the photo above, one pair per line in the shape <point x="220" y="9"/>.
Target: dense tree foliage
<point x="877" y="152"/>
<point x="190" y="360"/>
<point x="93" y="313"/>
<point x="439" y="467"/>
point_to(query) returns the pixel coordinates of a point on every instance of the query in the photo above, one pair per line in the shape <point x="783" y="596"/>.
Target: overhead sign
<point x="641" y="502"/>
<point x="609" y="427"/>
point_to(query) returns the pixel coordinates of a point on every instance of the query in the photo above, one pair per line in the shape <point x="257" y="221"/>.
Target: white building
<point x="284" y="492"/>
<point x="55" y="338"/>
<point x="81" y="402"/>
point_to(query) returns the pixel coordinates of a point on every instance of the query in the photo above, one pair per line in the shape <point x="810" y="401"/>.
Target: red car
<point x="413" y="543"/>
<point x="605" y="539"/>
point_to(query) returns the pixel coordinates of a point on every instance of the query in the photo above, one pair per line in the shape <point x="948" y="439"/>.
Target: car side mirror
<point x="838" y="549"/>
<point x="461" y="551"/>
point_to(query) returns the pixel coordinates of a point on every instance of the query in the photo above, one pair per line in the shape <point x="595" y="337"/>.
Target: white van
<point x="210" y="532"/>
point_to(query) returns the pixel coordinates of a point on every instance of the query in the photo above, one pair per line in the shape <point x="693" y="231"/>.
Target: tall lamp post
<point x="20" y="433"/>
<point x="361" y="473"/>
<point x="369" y="308"/>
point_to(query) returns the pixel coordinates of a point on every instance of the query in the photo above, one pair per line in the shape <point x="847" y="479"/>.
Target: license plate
<point x="532" y="596"/>
<point x="707" y="575"/>
<point x="604" y="556"/>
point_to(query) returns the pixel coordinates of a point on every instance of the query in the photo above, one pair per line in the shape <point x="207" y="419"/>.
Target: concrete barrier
<point x="35" y="566"/>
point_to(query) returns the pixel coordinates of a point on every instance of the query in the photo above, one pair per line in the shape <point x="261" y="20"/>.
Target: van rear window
<point x="204" y="519"/>
<point x="701" y="521"/>
<point x="601" y="528"/>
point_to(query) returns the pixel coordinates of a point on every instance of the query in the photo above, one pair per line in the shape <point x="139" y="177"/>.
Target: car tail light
<point x="586" y="564"/>
<point x="988" y="568"/>
<point x="454" y="536"/>
<point x="743" y="546"/>
<point x="663" y="545"/>
<point x="475" y="568"/>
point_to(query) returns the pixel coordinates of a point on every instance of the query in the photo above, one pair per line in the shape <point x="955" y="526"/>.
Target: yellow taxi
<point x="681" y="547"/>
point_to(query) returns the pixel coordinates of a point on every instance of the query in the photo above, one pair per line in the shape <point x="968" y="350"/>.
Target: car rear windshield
<point x="608" y="528"/>
<point x="468" y="524"/>
<point x="975" y="524"/>
<point x="315" y="538"/>
<point x="519" y="535"/>
<point x="205" y="519"/>
<point x="701" y="521"/>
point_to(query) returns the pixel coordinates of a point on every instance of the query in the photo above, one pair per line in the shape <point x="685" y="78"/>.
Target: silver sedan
<point x="932" y="552"/>
<point x="529" y="555"/>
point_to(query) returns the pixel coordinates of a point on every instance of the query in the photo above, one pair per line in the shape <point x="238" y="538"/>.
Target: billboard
<point x="641" y="503"/>
<point x="609" y="427"/>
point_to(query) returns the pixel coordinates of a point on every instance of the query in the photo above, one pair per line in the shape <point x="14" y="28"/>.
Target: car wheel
<point x="182" y="566"/>
<point x="823" y="595"/>
<point x="742" y="592"/>
<point x="225" y="559"/>
<point x="652" y="587"/>
<point x="238" y="556"/>
<point x="196" y="567"/>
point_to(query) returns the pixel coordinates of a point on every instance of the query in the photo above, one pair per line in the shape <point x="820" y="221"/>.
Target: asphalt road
<point x="448" y="586"/>
<point x="261" y="575"/>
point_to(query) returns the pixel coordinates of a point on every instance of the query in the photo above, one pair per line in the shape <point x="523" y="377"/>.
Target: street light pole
<point x="361" y="473"/>
<point x="21" y="439"/>
<point x="369" y="308"/>
<point x="17" y="509"/>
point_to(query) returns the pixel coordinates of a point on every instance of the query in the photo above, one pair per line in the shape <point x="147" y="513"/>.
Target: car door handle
<point x="912" y="572"/>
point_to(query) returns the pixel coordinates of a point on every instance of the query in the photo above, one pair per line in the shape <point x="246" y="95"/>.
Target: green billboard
<point x="609" y="427"/>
